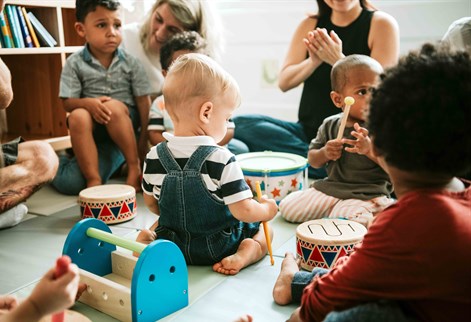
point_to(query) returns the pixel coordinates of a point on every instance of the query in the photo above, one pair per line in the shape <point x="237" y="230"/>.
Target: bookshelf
<point x="36" y="111"/>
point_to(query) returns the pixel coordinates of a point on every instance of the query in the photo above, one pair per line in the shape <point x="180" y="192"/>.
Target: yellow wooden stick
<point x="349" y="101"/>
<point x="265" y="224"/>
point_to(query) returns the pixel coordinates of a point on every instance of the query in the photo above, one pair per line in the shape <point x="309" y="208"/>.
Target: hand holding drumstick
<point x="265" y="225"/>
<point x="349" y="101"/>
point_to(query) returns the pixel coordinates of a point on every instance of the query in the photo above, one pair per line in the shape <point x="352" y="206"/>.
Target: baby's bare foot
<point x="282" y="289"/>
<point x="249" y="252"/>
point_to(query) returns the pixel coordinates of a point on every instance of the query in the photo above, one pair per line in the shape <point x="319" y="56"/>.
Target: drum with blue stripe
<point x="279" y="173"/>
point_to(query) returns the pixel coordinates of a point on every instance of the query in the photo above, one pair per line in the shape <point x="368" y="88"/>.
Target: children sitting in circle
<point x="197" y="187"/>
<point x="356" y="187"/>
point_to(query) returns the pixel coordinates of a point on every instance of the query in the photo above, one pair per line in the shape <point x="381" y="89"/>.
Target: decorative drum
<point x="319" y="243"/>
<point x="279" y="173"/>
<point x="112" y="203"/>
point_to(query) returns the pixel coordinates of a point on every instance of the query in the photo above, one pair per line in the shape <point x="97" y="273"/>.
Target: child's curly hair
<point x="84" y="7"/>
<point x="420" y="115"/>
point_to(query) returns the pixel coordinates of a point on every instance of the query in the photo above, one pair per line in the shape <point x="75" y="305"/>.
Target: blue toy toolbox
<point x="128" y="288"/>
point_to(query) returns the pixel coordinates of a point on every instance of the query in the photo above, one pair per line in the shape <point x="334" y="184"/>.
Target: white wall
<point x="258" y="33"/>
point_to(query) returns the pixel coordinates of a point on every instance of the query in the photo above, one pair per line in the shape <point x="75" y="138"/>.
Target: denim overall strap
<point x="166" y="158"/>
<point x="199" y="157"/>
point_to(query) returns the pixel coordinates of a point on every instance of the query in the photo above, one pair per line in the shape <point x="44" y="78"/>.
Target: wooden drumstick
<point x="349" y="101"/>
<point x="62" y="266"/>
<point x="265" y="224"/>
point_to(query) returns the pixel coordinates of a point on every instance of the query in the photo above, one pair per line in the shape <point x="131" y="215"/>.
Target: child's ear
<point x="79" y="28"/>
<point x="336" y="99"/>
<point x="206" y="111"/>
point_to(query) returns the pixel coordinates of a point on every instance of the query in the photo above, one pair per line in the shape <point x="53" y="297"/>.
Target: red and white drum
<point x="112" y="203"/>
<point x="320" y="242"/>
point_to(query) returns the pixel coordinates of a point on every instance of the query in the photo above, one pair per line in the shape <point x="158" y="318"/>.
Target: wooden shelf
<point x="36" y="111"/>
<point x="44" y="3"/>
<point x="42" y="50"/>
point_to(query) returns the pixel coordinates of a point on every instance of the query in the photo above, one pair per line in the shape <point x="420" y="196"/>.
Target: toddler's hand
<point x="52" y="295"/>
<point x="7" y="303"/>
<point x="146" y="236"/>
<point x="333" y="149"/>
<point x="100" y="113"/>
<point x="362" y="144"/>
<point x="271" y="206"/>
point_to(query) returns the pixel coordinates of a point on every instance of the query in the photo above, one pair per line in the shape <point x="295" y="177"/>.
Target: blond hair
<point x="194" y="15"/>
<point x="195" y="78"/>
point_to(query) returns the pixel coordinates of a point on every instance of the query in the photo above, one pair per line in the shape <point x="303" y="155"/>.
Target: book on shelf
<point x="24" y="28"/>
<point x="41" y="32"/>
<point x="34" y="38"/>
<point x="14" y="26"/>
<point x="6" y="34"/>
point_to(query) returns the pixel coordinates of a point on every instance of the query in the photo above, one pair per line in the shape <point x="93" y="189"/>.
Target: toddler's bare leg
<point x="83" y="144"/>
<point x="250" y="250"/>
<point x="122" y="133"/>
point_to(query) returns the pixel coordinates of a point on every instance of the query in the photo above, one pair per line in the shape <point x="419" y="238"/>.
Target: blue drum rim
<point x="274" y="172"/>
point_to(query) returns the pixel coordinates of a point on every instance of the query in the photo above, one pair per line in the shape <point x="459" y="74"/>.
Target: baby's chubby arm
<point x="332" y="150"/>
<point x="151" y="203"/>
<point x="249" y="210"/>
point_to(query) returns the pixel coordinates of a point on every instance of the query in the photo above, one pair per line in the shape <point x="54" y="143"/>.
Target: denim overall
<point x="202" y="227"/>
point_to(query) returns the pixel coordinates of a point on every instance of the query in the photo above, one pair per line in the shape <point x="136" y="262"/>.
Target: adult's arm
<point x="296" y="67"/>
<point x="384" y="39"/>
<point x="6" y="91"/>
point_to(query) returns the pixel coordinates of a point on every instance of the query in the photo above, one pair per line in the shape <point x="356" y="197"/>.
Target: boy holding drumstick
<point x="355" y="187"/>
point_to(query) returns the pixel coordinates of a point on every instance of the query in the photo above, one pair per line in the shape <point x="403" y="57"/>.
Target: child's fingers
<point x="349" y="142"/>
<point x="8" y="302"/>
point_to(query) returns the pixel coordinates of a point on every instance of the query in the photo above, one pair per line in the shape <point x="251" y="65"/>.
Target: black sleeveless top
<point x="315" y="103"/>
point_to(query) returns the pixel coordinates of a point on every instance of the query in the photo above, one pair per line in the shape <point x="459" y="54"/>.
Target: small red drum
<point x="279" y="173"/>
<point x="112" y="203"/>
<point x="320" y="242"/>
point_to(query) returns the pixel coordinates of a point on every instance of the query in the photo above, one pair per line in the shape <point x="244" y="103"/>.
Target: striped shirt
<point x="220" y="172"/>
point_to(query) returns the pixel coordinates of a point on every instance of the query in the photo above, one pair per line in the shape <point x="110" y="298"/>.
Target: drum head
<point x="268" y="161"/>
<point x="107" y="191"/>
<point x="330" y="231"/>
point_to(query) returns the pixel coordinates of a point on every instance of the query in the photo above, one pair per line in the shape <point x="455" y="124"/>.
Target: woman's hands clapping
<point x="323" y="46"/>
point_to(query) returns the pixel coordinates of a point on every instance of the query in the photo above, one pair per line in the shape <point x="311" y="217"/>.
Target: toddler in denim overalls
<point x="197" y="187"/>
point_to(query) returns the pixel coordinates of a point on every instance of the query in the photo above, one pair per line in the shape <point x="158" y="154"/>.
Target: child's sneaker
<point x="13" y="216"/>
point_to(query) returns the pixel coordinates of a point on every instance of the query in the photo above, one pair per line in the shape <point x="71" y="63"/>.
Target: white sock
<point x="13" y="216"/>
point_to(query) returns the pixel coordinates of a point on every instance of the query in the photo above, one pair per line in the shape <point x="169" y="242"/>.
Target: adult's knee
<point x="45" y="160"/>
